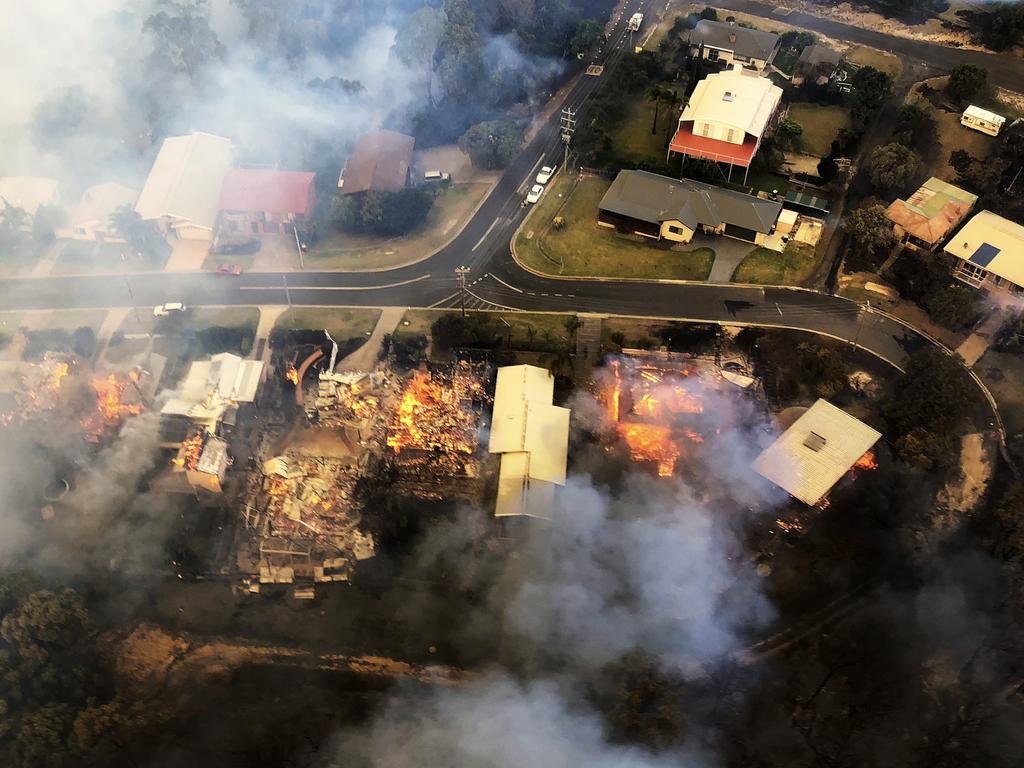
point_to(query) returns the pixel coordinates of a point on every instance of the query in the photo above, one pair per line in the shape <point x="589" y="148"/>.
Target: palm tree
<point x="672" y="100"/>
<point x="14" y="218"/>
<point x="655" y="94"/>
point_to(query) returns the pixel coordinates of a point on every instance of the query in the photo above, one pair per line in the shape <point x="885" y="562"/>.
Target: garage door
<point x="739" y="232"/>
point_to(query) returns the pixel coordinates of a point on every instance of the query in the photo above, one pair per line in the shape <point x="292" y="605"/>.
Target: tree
<point x="823" y="369"/>
<point x="870" y="89"/>
<point x="917" y="129"/>
<point x="923" y="449"/>
<point x="893" y="166"/>
<point x="460" y="51"/>
<point x="141" y="235"/>
<point x="492" y="145"/>
<point x="642" y="701"/>
<point x="654" y="95"/>
<point x="382" y="213"/>
<point x="416" y="43"/>
<point x="870" y="233"/>
<point x="788" y="133"/>
<point x="952" y="306"/>
<point x="709" y="14"/>
<point x="968" y="82"/>
<point x="672" y="101"/>
<point x="45" y="223"/>
<point x="934" y="394"/>
<point x="797" y="40"/>
<point x="588" y="34"/>
<point x="183" y="40"/>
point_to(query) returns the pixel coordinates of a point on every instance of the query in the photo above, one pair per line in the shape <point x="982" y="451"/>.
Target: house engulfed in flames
<point x="816" y="452"/>
<point x="656" y="402"/>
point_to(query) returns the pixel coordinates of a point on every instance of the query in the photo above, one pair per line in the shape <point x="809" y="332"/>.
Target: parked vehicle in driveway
<point x="440" y="176"/>
<point x="170" y="308"/>
<point x="545" y="174"/>
<point x="535" y="193"/>
<point x="229" y="269"/>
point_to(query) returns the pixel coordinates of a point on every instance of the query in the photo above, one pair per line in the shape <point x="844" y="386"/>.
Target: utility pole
<point x="860" y="325"/>
<point x="462" y="273"/>
<point x="131" y="298"/>
<point x="568" y="129"/>
<point x="287" y="293"/>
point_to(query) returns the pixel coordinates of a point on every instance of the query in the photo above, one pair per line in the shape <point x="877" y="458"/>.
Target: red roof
<point x="686" y="142"/>
<point x="248" y="190"/>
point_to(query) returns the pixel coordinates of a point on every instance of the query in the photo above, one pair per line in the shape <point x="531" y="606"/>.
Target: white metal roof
<point x="740" y="99"/>
<point x="185" y="180"/>
<point x="533" y="437"/>
<point x="983" y="114"/>
<point x="812" y="455"/>
<point x="212" y="385"/>
<point x="28" y="192"/>
<point x="993" y="243"/>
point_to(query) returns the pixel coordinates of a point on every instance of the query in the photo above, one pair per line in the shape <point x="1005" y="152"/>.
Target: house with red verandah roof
<point x="256" y="201"/>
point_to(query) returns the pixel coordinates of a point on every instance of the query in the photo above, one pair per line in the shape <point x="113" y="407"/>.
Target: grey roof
<point x="752" y="43"/>
<point x="816" y="54"/>
<point x="652" y="198"/>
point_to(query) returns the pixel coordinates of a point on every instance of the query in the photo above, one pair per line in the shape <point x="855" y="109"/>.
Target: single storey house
<point x="990" y="254"/>
<point x="658" y="207"/>
<point x="725" y="42"/>
<point x="90" y="219"/>
<point x="379" y="162"/>
<point x="265" y="202"/>
<point x="726" y="117"/>
<point x="182" y="191"/>
<point x="816" y="64"/>
<point x="923" y="221"/>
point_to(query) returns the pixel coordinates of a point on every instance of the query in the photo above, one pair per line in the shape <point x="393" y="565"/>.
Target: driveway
<point x="728" y="255"/>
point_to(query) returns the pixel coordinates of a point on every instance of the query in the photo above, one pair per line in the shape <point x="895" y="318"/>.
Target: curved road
<point x="496" y="281"/>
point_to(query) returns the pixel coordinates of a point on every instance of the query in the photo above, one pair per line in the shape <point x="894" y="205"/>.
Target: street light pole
<point x="462" y="273"/>
<point x="287" y="293"/>
<point x="863" y="314"/>
<point x="131" y="298"/>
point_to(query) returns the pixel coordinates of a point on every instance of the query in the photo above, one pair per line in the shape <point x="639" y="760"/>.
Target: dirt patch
<point x="976" y="464"/>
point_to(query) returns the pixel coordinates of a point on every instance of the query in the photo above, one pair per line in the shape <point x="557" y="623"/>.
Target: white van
<point x="430" y="176"/>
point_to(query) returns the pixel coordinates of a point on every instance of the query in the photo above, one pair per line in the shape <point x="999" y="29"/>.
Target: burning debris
<point x="111" y="407"/>
<point x="347" y="399"/>
<point x="656" y="404"/>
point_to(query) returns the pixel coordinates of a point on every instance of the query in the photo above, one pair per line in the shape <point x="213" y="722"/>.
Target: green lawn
<point x="880" y="60"/>
<point x="527" y="329"/>
<point x="821" y="125"/>
<point x="765" y="267"/>
<point x="633" y="139"/>
<point x="1003" y="374"/>
<point x="77" y="256"/>
<point x="344" y="252"/>
<point x="584" y="249"/>
<point x="340" y="323"/>
<point x="197" y="319"/>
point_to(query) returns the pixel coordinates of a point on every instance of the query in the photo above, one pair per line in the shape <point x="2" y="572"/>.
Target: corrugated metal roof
<point x="533" y="437"/>
<point x="752" y="101"/>
<point x="813" y="455"/>
<point x="932" y="211"/>
<point x="1004" y="254"/>
<point x="185" y="180"/>
<point x="753" y="43"/>
<point x="815" y="54"/>
<point x="379" y="161"/>
<point x="98" y="202"/>
<point x="270" y="191"/>
<point x="652" y="198"/>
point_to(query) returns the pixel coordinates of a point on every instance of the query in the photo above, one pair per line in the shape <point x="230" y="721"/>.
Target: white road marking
<point x="481" y="240"/>
<point x="517" y="290"/>
<point x="332" y="287"/>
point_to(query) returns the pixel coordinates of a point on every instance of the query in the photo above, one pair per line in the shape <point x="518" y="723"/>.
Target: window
<point x="705" y="129"/>
<point x="815" y="442"/>
<point x="728" y="96"/>
<point x="712" y="54"/>
<point x="673" y="229"/>
<point x="255" y="225"/>
<point x="730" y="135"/>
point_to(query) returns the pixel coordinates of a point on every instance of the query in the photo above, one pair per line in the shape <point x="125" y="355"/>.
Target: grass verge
<point x="340" y="323"/>
<point x="451" y="210"/>
<point x="79" y="256"/>
<point x="766" y="267"/>
<point x="872" y="57"/>
<point x="583" y="249"/>
<point x="821" y="125"/>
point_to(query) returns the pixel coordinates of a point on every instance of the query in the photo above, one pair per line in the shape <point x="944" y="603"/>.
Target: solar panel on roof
<point x="984" y="255"/>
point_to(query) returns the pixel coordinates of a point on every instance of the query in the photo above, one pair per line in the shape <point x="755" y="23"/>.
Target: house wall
<point x="984" y="280"/>
<point x="676" y="231"/>
<point x="257" y="223"/>
<point x="89" y="232"/>
<point x="192" y="232"/>
<point x="992" y="129"/>
<point x="726" y="57"/>
<point x="720" y="131"/>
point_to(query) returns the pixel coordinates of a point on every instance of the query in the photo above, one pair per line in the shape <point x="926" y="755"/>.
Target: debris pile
<point x="347" y="399"/>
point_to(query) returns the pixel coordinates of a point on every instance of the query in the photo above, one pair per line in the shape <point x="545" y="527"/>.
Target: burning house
<point x="532" y="436"/>
<point x="210" y="396"/>
<point x="201" y="464"/>
<point x="816" y="451"/>
<point x="656" y="403"/>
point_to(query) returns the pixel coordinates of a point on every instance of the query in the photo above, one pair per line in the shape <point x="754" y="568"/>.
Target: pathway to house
<point x="268" y="319"/>
<point x="48" y="260"/>
<point x="588" y="345"/>
<point x="188" y="256"/>
<point x="728" y="255"/>
<point x="972" y="349"/>
<point x="365" y="358"/>
<point x="107" y="329"/>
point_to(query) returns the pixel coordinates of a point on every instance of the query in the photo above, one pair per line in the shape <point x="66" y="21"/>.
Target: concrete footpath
<point x="365" y="358"/>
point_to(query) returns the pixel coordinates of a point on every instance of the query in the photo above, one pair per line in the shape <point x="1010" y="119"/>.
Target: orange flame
<point x="866" y="462"/>
<point x="292" y="375"/>
<point x="110" y="409"/>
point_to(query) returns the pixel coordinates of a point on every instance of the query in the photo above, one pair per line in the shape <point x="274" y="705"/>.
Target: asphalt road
<point x="496" y="281"/>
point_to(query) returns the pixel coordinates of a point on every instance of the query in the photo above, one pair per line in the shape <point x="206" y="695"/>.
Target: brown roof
<point x="932" y="211"/>
<point x="379" y="161"/>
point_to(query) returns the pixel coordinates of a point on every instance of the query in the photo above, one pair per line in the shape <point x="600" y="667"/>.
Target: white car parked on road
<point x="163" y="310"/>
<point x="545" y="174"/>
<point x="535" y="193"/>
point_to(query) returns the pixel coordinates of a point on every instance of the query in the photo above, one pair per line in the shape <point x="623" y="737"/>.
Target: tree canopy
<point x="968" y="82"/>
<point x="492" y="145"/>
<point x="893" y="167"/>
<point x="870" y="234"/>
